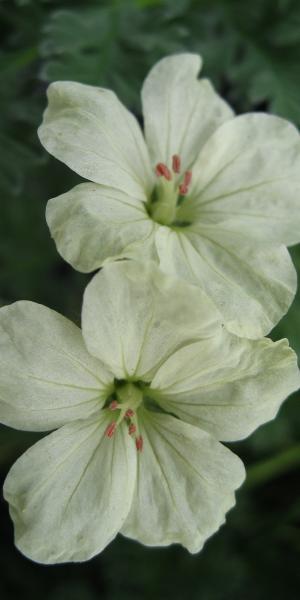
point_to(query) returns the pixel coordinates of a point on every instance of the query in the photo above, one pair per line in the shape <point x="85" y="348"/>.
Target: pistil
<point x="129" y="399"/>
<point x="169" y="193"/>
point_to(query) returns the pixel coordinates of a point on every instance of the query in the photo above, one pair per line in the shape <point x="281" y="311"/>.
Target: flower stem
<point x="271" y="468"/>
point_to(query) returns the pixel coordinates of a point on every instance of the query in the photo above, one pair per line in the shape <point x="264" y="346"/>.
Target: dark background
<point x="251" y="51"/>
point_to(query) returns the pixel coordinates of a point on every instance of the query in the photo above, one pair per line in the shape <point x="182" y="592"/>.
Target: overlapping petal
<point x="92" y="223"/>
<point x="246" y="180"/>
<point x="228" y="385"/>
<point x="70" y="493"/>
<point x="95" y="135"/>
<point x="185" y="484"/>
<point x="180" y="112"/>
<point x="47" y="377"/>
<point x="251" y="285"/>
<point x="134" y="317"/>
<point x="242" y="202"/>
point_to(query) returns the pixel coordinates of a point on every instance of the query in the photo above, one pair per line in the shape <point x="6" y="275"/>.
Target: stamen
<point x="139" y="443"/>
<point x="184" y="187"/>
<point x="131" y="429"/>
<point x="187" y="178"/>
<point x="114" y="405"/>
<point x="129" y="413"/>
<point x="162" y="170"/>
<point x="126" y="399"/>
<point x="176" y="163"/>
<point x="183" y="190"/>
<point x="110" y="429"/>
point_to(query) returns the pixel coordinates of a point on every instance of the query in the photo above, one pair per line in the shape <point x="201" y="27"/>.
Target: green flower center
<point x="164" y="206"/>
<point x="124" y="403"/>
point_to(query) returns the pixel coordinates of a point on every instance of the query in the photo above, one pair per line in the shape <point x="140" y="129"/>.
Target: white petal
<point x="180" y="112"/>
<point x="251" y="285"/>
<point x="228" y="385"/>
<point x="47" y="377"/>
<point x="93" y="223"/>
<point x="89" y="129"/>
<point x="70" y="493"/>
<point x="134" y="317"/>
<point x="185" y="484"/>
<point x="247" y="179"/>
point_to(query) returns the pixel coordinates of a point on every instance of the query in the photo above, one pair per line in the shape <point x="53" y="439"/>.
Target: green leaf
<point x="15" y="160"/>
<point x="267" y="65"/>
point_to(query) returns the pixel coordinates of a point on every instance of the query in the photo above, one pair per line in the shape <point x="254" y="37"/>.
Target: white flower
<point x="211" y="198"/>
<point x="140" y="400"/>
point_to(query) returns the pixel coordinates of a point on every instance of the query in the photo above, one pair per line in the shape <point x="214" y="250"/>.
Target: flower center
<point x="124" y="407"/>
<point x="169" y="192"/>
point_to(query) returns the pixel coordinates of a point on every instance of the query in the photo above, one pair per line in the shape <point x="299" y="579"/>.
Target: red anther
<point x="187" y="178"/>
<point x="113" y="405"/>
<point x="110" y="429"/>
<point x="162" y="170"/>
<point x="176" y="162"/>
<point x="183" y="189"/>
<point x="129" y="413"/>
<point x="139" y="443"/>
<point x="131" y="429"/>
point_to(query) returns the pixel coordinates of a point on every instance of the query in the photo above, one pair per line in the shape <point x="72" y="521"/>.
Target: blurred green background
<point x="251" y="52"/>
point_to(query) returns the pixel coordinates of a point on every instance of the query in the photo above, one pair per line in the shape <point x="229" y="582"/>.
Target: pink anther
<point x="131" y="429"/>
<point x="183" y="189"/>
<point x="139" y="443"/>
<point x="129" y="413"/>
<point x="113" y="405"/>
<point x="110" y="429"/>
<point x="187" y="178"/>
<point x="176" y="163"/>
<point x="162" y="170"/>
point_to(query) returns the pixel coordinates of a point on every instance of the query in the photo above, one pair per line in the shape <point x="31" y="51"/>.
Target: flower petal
<point x="227" y="386"/>
<point x="185" y="484"/>
<point x="47" y="377"/>
<point x="93" y="223"/>
<point x="251" y="285"/>
<point x="180" y="112"/>
<point x="70" y="493"/>
<point x="134" y="317"/>
<point x="246" y="179"/>
<point x="89" y="130"/>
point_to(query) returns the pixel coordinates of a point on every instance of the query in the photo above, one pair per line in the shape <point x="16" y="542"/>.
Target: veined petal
<point x="185" y="484"/>
<point x="229" y="385"/>
<point x="47" y="377"/>
<point x="89" y="129"/>
<point x="180" y="111"/>
<point x="93" y="223"/>
<point x="70" y="493"/>
<point x="246" y="180"/>
<point x="129" y="313"/>
<point x="252" y="286"/>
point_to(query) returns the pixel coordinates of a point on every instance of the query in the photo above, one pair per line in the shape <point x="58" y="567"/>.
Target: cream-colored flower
<point x="211" y="198"/>
<point x="140" y="400"/>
